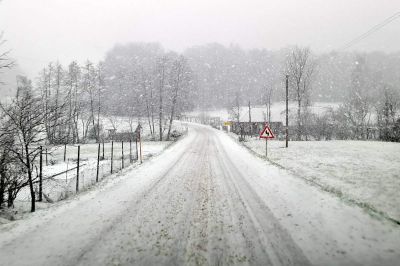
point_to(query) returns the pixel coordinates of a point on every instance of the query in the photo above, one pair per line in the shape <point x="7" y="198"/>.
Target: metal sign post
<point x="266" y="134"/>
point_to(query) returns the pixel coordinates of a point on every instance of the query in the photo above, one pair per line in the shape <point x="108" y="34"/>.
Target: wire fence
<point x="69" y="169"/>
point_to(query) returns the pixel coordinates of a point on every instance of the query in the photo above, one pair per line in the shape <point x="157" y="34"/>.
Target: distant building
<point x="120" y="136"/>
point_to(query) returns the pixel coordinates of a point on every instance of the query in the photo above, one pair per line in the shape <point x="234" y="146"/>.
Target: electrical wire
<point x="371" y="31"/>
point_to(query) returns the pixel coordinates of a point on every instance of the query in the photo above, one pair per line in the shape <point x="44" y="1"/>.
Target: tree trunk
<point x="2" y="181"/>
<point x="171" y="117"/>
<point x="161" y="92"/>
<point x="299" y="119"/>
<point x="32" y="191"/>
<point x="10" y="198"/>
<point x="160" y="115"/>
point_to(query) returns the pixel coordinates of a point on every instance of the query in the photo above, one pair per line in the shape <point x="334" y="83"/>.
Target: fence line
<point x="86" y="174"/>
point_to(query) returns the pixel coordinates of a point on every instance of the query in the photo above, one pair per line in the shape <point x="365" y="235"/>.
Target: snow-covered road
<point x="204" y="201"/>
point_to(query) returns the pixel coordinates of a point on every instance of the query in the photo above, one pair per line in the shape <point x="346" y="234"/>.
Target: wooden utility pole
<point x="98" y="161"/>
<point x="77" y="169"/>
<point x="287" y="111"/>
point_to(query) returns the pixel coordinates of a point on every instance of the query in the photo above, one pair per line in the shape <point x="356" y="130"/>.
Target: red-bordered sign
<point x="266" y="133"/>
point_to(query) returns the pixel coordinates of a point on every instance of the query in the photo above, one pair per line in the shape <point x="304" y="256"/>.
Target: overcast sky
<point x="44" y="30"/>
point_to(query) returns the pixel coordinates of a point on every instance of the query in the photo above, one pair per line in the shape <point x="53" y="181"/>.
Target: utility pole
<point x="98" y="162"/>
<point x="77" y="169"/>
<point x="287" y="111"/>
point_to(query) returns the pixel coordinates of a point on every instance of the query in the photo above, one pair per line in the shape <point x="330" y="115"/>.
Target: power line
<point x="372" y="30"/>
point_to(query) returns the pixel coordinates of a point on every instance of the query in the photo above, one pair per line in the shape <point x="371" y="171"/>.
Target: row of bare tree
<point x="145" y="81"/>
<point x="67" y="105"/>
<point x="369" y="109"/>
<point x="71" y="99"/>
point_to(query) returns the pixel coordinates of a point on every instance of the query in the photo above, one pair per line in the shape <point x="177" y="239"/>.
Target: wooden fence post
<point x="65" y="151"/>
<point x="122" y="146"/>
<point x="136" y="140"/>
<point x="77" y="169"/>
<point x="41" y="174"/>
<point x="98" y="161"/>
<point x="112" y="155"/>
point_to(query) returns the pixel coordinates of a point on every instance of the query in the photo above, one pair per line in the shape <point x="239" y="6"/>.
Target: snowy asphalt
<point x="204" y="201"/>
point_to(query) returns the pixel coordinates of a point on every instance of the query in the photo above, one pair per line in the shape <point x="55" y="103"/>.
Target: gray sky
<point x="44" y="30"/>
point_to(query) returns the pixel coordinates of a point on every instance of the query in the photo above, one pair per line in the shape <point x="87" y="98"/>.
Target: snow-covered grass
<point x="60" y="176"/>
<point x="205" y="200"/>
<point x="364" y="172"/>
<point x="126" y="124"/>
<point x="258" y="113"/>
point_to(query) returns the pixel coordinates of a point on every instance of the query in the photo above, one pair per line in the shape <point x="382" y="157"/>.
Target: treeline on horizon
<point x="140" y="80"/>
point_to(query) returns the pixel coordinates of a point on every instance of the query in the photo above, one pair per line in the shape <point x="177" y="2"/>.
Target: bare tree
<point x="300" y="66"/>
<point x="162" y="65"/>
<point x="148" y="98"/>
<point x="387" y="108"/>
<point x="100" y="86"/>
<point x="357" y="105"/>
<point x="177" y="78"/>
<point x="268" y="102"/>
<point x="72" y="83"/>
<point x="26" y="127"/>
<point x="5" y="61"/>
<point x="89" y="85"/>
<point x="234" y="113"/>
<point x="12" y="176"/>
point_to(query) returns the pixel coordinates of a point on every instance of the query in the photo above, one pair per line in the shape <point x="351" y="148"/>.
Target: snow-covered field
<point x="60" y="177"/>
<point x="126" y="124"/>
<point x="258" y="113"/>
<point x="204" y="201"/>
<point x="366" y="172"/>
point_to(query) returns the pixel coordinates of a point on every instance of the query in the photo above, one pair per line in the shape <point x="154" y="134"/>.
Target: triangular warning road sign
<point x="266" y="133"/>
